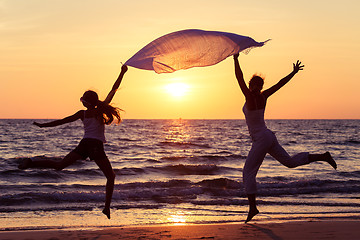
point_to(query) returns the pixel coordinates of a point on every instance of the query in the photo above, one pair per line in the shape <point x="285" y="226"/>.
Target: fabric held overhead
<point x="190" y="48"/>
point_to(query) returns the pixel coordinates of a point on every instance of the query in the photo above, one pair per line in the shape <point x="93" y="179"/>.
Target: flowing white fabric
<point x="190" y="48"/>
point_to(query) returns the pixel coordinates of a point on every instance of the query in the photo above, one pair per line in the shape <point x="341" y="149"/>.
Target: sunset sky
<point x="51" y="51"/>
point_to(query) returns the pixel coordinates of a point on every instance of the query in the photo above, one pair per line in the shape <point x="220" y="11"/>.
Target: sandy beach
<point x="349" y="230"/>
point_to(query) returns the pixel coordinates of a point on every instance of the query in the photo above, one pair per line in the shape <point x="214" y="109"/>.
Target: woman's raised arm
<point x="240" y="77"/>
<point x="296" y="68"/>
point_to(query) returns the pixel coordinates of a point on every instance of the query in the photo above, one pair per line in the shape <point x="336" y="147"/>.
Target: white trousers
<point x="266" y="142"/>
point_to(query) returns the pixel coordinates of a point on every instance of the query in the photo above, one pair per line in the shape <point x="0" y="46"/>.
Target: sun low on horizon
<point x="177" y="90"/>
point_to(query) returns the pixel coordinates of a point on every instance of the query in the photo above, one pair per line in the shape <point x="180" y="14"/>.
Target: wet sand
<point x="349" y="230"/>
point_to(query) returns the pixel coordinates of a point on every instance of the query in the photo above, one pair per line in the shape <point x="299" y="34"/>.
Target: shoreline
<point x="303" y="229"/>
<point x="258" y="220"/>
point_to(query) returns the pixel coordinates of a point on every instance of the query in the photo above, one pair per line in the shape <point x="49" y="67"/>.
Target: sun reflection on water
<point x="180" y="218"/>
<point x="176" y="131"/>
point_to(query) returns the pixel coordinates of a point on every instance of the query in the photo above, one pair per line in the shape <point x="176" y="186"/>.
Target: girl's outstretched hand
<point x="297" y="66"/>
<point x="38" y="124"/>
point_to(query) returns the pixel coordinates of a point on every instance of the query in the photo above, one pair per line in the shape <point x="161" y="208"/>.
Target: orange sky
<point x="52" y="51"/>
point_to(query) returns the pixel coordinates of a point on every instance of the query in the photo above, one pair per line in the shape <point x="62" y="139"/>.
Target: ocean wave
<point x="45" y="175"/>
<point x="45" y="208"/>
<point x="223" y="183"/>
<point x="352" y="141"/>
<point x="308" y="186"/>
<point x="182" y="169"/>
<point x="183" y="145"/>
<point x="175" y="158"/>
<point x="179" y="169"/>
<point x="215" y="158"/>
<point x="355" y="174"/>
<point x="221" y="191"/>
<point x="347" y="142"/>
<point x="127" y="140"/>
<point x="75" y="207"/>
<point x="129" y="171"/>
<point x="170" y="170"/>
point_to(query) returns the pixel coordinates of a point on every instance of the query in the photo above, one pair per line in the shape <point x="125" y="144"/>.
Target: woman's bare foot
<point x="330" y="160"/>
<point x="106" y="211"/>
<point x="251" y="214"/>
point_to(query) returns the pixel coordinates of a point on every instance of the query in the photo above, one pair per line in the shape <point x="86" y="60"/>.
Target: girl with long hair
<point x="263" y="140"/>
<point x="95" y="117"/>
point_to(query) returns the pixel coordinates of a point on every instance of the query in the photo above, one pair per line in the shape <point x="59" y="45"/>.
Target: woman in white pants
<point x="263" y="140"/>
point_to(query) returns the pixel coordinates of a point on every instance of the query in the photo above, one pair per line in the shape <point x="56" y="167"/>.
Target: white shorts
<point x="266" y="142"/>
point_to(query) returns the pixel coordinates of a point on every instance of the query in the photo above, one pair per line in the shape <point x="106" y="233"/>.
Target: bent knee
<point x="288" y="162"/>
<point x="111" y="176"/>
<point x="291" y="165"/>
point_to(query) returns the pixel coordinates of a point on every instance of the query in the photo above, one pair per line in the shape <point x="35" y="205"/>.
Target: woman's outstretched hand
<point x="124" y="68"/>
<point x="297" y="66"/>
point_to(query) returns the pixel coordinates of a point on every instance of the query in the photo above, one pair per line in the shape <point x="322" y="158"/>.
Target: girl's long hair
<point x="106" y="112"/>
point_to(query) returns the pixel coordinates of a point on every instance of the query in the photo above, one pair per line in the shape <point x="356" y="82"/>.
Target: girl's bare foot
<point x="251" y="214"/>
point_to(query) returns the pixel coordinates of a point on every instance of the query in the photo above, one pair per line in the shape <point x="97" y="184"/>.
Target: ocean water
<point x="176" y="171"/>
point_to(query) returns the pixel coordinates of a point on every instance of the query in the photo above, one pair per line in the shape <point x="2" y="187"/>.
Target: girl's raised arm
<point x="116" y="85"/>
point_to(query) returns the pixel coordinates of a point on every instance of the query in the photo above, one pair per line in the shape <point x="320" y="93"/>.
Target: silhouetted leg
<point x="303" y="158"/>
<point x="25" y="164"/>
<point x="262" y="142"/>
<point x="47" y="163"/>
<point x="280" y="154"/>
<point x="106" y="168"/>
<point x="253" y="162"/>
<point x="252" y="207"/>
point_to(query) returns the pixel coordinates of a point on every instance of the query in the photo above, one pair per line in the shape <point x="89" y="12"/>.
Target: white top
<point x="255" y="120"/>
<point x="94" y="128"/>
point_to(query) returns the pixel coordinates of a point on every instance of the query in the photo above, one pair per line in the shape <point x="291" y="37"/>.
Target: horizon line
<point x="194" y="119"/>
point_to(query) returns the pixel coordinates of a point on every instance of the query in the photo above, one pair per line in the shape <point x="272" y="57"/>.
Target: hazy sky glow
<point x="53" y="51"/>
